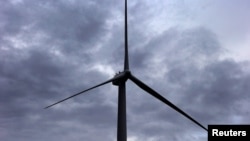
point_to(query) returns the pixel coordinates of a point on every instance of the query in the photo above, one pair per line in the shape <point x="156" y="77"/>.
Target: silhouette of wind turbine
<point x="120" y="81"/>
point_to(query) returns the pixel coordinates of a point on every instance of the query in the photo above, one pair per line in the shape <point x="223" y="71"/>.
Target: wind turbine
<point x="120" y="81"/>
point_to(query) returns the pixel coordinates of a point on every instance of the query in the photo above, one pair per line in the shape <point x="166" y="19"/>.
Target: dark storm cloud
<point x="49" y="50"/>
<point x="42" y="77"/>
<point x="202" y="84"/>
<point x="45" y="66"/>
<point x="66" y="26"/>
<point x="221" y="86"/>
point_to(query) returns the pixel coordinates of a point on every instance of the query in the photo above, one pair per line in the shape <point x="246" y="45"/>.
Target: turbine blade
<point x="108" y="81"/>
<point x="126" y="59"/>
<point x="161" y="98"/>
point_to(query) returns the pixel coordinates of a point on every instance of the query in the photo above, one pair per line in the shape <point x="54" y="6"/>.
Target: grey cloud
<point x="63" y="40"/>
<point x="210" y="92"/>
<point x="221" y="85"/>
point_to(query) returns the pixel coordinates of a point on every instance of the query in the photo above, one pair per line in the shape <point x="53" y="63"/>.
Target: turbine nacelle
<point x="121" y="77"/>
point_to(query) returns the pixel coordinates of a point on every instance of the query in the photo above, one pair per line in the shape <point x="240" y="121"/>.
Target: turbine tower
<point x="119" y="80"/>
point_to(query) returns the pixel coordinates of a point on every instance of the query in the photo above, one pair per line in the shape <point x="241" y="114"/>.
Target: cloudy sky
<point x="195" y="53"/>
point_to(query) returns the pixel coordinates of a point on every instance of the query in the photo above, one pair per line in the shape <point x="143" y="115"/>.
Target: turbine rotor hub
<point x="121" y="77"/>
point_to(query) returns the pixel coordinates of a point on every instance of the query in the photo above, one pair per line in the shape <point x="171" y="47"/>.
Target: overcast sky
<point x="195" y="53"/>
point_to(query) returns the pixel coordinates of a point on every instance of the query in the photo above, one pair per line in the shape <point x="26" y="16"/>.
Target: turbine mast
<point x="126" y="60"/>
<point x="122" y="122"/>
